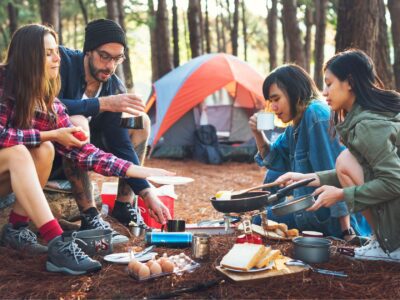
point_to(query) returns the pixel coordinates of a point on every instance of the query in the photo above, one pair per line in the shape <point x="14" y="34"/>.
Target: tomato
<point x="80" y="135"/>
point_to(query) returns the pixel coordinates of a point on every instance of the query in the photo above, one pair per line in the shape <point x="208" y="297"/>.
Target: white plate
<point x="174" y="180"/>
<point x="253" y="270"/>
<point x="124" y="257"/>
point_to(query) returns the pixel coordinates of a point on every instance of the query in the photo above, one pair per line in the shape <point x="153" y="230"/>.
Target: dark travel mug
<point x="175" y="226"/>
<point x="132" y="122"/>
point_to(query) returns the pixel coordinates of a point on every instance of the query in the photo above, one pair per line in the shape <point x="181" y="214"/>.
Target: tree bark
<point x="244" y="29"/>
<point x="309" y="22"/>
<point x="153" y="41"/>
<point x="394" y="9"/>
<point x="12" y="17"/>
<point x="164" y="60"/>
<point x="354" y="16"/>
<point x="235" y="29"/>
<point x="84" y="11"/>
<point x="286" y="47"/>
<point x="370" y="16"/>
<point x="126" y="65"/>
<point x="222" y="27"/>
<point x="293" y="33"/>
<point x="187" y="38"/>
<point x="50" y="13"/>
<point x="175" y="33"/>
<point x="112" y="14"/>
<point x="194" y="27"/>
<point x="207" y="30"/>
<point x="320" y="21"/>
<point x="272" y="24"/>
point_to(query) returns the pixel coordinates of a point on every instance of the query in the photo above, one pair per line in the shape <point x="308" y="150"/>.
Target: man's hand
<point x="327" y="196"/>
<point x="156" y="208"/>
<point x="291" y="177"/>
<point x="128" y="103"/>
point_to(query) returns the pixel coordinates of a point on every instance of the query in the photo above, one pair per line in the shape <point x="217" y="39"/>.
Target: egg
<point x="143" y="271"/>
<point x="223" y="195"/>
<point x="162" y="260"/>
<point x="149" y="263"/>
<point x="133" y="266"/>
<point x="155" y="268"/>
<point x="168" y="266"/>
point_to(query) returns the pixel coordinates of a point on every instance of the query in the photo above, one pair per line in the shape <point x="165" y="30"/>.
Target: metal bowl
<point x="95" y="241"/>
<point x="295" y="205"/>
<point x="311" y="249"/>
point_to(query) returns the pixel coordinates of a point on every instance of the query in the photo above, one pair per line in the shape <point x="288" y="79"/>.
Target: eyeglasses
<point x="106" y="58"/>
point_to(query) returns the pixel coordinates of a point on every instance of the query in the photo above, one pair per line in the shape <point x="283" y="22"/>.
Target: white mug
<point x="265" y="120"/>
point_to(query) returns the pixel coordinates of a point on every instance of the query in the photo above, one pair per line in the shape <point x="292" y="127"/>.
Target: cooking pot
<point x="311" y="249"/>
<point x="254" y="200"/>
<point x="94" y="241"/>
<point x="291" y="206"/>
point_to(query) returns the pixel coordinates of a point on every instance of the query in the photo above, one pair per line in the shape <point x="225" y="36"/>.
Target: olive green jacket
<point x="374" y="139"/>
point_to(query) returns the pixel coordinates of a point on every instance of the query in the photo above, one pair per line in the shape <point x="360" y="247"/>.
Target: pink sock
<point x="15" y="218"/>
<point x="50" y="230"/>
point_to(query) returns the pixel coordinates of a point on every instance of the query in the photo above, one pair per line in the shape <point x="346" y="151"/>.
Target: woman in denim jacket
<point x="305" y="147"/>
<point x="366" y="175"/>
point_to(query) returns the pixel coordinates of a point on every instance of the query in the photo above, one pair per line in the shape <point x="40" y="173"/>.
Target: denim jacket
<point x="307" y="148"/>
<point x="73" y="85"/>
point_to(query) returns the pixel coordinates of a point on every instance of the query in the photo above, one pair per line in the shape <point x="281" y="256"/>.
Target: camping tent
<point x="217" y="89"/>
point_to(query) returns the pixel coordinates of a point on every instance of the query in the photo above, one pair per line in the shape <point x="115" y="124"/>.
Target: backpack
<point x="206" y="147"/>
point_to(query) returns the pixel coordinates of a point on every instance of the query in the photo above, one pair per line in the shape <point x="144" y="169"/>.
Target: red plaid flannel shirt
<point x="88" y="157"/>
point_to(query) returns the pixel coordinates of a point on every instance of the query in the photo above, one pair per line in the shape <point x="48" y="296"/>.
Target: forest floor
<point x="24" y="276"/>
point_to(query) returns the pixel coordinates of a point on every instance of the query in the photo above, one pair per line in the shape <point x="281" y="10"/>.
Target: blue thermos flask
<point x="169" y="239"/>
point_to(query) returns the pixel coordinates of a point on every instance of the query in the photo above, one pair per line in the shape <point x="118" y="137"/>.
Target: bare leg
<point x="350" y="173"/>
<point x="79" y="179"/>
<point x="18" y="174"/>
<point x="139" y="139"/>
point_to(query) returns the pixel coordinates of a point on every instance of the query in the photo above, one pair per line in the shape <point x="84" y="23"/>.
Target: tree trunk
<point x="272" y="24"/>
<point x="222" y="27"/>
<point x="382" y="56"/>
<point x="153" y="41"/>
<point x="84" y="11"/>
<point x="50" y="13"/>
<point x="175" y="33"/>
<point x="235" y="29"/>
<point x="320" y="21"/>
<point x="293" y="33"/>
<point x="394" y="9"/>
<point x="354" y="16"/>
<point x="194" y="27"/>
<point x="12" y="17"/>
<point x="112" y="14"/>
<point x="309" y="22"/>
<point x="163" y="41"/>
<point x="244" y="29"/>
<point x="187" y="38"/>
<point x="126" y="65"/>
<point x="201" y="27"/>
<point x="286" y="47"/>
<point x="207" y="30"/>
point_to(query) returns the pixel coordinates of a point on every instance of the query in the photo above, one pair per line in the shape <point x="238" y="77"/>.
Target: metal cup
<point x="201" y="246"/>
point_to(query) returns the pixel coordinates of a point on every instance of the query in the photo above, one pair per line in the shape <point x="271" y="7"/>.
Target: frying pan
<point x="254" y="200"/>
<point x="294" y="205"/>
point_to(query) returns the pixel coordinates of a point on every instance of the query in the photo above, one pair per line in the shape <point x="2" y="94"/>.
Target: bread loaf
<point x="272" y="255"/>
<point x="292" y="232"/>
<point x="243" y="256"/>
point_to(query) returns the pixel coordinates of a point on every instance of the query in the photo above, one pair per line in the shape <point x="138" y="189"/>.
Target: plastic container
<point x="108" y="194"/>
<point x="168" y="202"/>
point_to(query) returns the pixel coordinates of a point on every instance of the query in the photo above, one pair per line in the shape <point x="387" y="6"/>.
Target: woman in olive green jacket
<point x="367" y="174"/>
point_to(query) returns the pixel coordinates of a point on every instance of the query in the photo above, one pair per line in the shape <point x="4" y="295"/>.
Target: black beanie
<point x="102" y="31"/>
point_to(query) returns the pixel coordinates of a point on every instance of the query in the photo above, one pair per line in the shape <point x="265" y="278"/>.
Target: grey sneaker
<point x="97" y="222"/>
<point x="21" y="239"/>
<point x="66" y="257"/>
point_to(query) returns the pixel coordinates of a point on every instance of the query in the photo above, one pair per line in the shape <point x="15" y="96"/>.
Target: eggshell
<point x="149" y="263"/>
<point x="155" y="268"/>
<point x="143" y="271"/>
<point x="168" y="266"/>
<point x="133" y="266"/>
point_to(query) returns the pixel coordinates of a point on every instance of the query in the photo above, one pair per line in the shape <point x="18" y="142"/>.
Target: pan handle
<point x="283" y="192"/>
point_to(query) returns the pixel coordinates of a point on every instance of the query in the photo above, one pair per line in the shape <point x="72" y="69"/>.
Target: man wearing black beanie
<point x="95" y="98"/>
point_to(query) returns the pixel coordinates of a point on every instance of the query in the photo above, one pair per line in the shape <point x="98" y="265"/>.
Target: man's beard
<point x="94" y="71"/>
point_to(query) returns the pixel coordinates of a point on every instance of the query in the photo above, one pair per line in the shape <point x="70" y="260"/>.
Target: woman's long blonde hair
<point x="27" y="81"/>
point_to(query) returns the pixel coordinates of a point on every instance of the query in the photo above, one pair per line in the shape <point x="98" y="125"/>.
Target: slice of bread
<point x="292" y="232"/>
<point x="283" y="227"/>
<point x="264" y="255"/>
<point x="271" y="225"/>
<point x="272" y="255"/>
<point x="243" y="256"/>
<point x="279" y="232"/>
